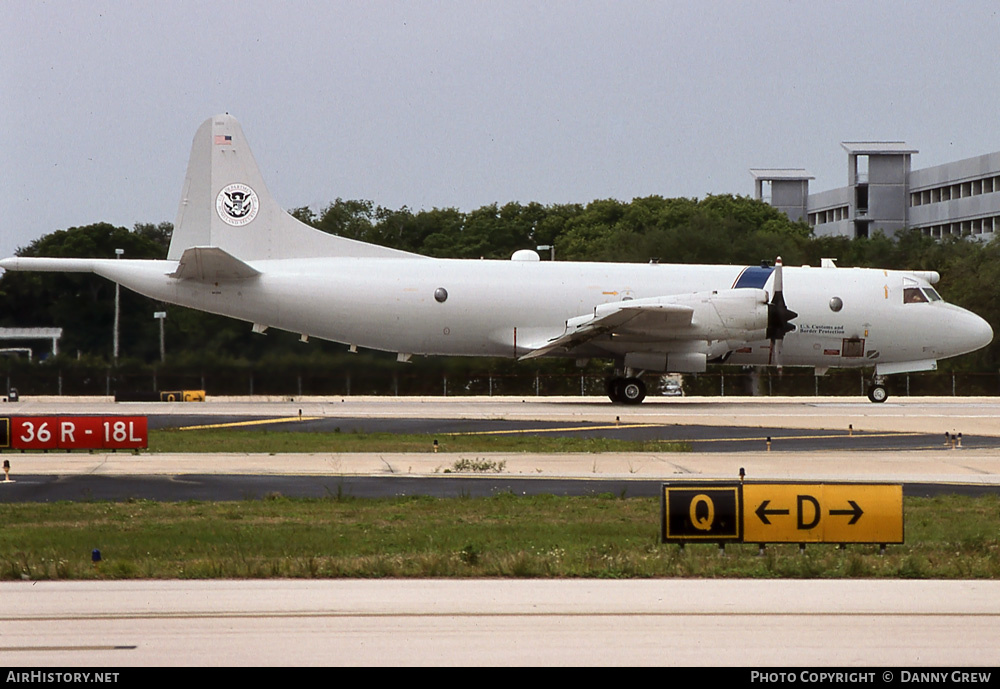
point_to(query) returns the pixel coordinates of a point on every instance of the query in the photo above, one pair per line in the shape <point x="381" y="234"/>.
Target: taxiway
<point x="521" y="622"/>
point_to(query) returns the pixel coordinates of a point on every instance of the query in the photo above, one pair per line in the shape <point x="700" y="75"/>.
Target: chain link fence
<point x="440" y="380"/>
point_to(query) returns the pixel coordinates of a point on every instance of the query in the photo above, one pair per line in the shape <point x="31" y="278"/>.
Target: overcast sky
<point x="462" y="104"/>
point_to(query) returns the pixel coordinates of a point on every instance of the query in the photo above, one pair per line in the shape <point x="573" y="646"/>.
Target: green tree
<point x="80" y="303"/>
<point x="159" y="234"/>
<point x="350" y="218"/>
<point x="435" y="232"/>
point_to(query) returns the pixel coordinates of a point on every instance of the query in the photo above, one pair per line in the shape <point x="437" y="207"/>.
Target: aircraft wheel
<point x="878" y="394"/>
<point x="633" y="391"/>
<point x="614" y="388"/>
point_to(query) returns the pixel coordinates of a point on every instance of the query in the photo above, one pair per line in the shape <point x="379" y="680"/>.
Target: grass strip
<point x="602" y="536"/>
<point x="241" y="440"/>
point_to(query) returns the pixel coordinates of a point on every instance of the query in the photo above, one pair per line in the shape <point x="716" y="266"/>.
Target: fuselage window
<point x="932" y="294"/>
<point x="913" y="295"/>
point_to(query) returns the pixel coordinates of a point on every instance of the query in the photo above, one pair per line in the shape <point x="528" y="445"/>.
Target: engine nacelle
<point x="736" y="315"/>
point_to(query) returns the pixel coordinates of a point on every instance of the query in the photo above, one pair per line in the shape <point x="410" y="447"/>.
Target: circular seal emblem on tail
<point x="237" y="204"/>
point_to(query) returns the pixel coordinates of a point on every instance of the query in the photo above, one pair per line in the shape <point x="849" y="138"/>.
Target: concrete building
<point x="883" y="194"/>
<point x="785" y="189"/>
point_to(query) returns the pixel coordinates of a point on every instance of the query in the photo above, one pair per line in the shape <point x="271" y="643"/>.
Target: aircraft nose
<point x="984" y="333"/>
<point x="972" y="333"/>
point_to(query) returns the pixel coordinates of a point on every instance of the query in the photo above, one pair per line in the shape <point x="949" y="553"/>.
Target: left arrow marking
<point x="762" y="511"/>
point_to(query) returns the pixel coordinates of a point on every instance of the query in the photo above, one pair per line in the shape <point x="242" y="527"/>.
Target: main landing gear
<point x="628" y="390"/>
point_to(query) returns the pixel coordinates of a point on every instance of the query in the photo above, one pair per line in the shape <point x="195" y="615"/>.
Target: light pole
<point x="118" y="291"/>
<point x="161" y="316"/>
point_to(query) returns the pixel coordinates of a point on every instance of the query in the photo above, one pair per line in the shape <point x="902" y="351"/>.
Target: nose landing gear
<point x="877" y="392"/>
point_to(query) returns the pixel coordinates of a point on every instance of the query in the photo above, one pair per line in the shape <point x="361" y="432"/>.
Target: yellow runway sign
<point x="823" y="513"/>
<point x="702" y="513"/>
<point x="782" y="513"/>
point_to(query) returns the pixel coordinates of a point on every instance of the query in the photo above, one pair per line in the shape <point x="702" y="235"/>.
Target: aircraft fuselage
<point x="505" y="308"/>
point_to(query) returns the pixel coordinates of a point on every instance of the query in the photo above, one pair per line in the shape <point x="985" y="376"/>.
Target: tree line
<point x="716" y="229"/>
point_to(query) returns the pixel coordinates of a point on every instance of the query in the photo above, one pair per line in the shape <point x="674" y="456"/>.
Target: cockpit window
<point x="920" y="295"/>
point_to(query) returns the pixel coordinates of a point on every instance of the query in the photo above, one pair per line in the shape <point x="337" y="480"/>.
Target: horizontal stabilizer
<point x="212" y="264"/>
<point x="49" y="265"/>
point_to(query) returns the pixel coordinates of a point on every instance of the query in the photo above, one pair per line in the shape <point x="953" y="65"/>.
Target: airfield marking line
<point x="800" y="437"/>
<point x="258" y="422"/>
<point x="524" y="431"/>
<point x="280" y="614"/>
<point x="827" y="436"/>
<point x="23" y="649"/>
<point x="561" y="430"/>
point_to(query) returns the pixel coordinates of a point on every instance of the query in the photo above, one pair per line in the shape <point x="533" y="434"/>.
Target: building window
<point x="949" y="192"/>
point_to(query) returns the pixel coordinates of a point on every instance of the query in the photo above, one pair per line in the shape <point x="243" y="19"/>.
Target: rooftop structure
<point x="27" y="334"/>
<point x="784" y="188"/>
<point x="883" y="194"/>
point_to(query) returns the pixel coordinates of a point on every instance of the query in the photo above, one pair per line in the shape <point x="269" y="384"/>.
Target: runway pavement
<point x="698" y="437"/>
<point x="757" y="624"/>
<point x="970" y="415"/>
<point x="819" y="421"/>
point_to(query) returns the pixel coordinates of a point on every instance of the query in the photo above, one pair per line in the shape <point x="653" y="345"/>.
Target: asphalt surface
<point x="701" y="438"/>
<point x="232" y="487"/>
<point x="811" y="439"/>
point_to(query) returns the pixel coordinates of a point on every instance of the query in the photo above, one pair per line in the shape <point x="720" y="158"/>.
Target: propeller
<point x="779" y="318"/>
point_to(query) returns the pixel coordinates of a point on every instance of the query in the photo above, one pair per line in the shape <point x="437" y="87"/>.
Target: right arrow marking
<point x="855" y="513"/>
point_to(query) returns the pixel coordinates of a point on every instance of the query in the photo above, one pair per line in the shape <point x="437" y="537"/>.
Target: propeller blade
<point x="779" y="317"/>
<point x="774" y="355"/>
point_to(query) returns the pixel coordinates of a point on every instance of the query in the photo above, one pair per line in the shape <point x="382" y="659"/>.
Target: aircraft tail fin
<point x="225" y="204"/>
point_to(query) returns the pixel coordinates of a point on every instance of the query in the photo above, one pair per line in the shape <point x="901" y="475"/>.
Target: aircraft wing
<point x="734" y="315"/>
<point x="639" y="317"/>
<point x="212" y="264"/>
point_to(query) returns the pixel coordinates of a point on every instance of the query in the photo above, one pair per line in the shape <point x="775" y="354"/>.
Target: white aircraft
<point x="235" y="252"/>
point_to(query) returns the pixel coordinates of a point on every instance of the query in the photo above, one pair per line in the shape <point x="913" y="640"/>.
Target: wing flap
<point x="624" y="317"/>
<point x="732" y="316"/>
